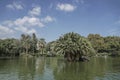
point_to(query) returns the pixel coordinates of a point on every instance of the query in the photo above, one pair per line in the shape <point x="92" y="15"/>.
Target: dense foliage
<point x="41" y="46"/>
<point x="9" y="47"/>
<point x="71" y="45"/>
<point x="109" y="45"/>
<point x="14" y="47"/>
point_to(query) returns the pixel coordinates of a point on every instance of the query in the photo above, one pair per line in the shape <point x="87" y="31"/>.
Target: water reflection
<point x="57" y="69"/>
<point x="26" y="69"/>
<point x="96" y="69"/>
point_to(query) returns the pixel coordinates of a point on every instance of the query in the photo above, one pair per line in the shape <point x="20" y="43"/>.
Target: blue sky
<point x="50" y="19"/>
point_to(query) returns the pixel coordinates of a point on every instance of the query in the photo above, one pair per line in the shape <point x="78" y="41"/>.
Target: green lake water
<point x="42" y="68"/>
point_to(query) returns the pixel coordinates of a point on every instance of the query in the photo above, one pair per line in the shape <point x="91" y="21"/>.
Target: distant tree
<point x="113" y="44"/>
<point x="109" y="44"/>
<point x="97" y="42"/>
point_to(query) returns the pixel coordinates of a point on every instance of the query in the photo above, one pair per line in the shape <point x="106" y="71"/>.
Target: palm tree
<point x="26" y="42"/>
<point x="73" y="46"/>
<point x="34" y="43"/>
<point x="9" y="47"/>
<point x="41" y="45"/>
<point x="50" y="48"/>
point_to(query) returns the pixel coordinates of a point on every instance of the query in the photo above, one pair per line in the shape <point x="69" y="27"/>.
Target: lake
<point x="46" y="68"/>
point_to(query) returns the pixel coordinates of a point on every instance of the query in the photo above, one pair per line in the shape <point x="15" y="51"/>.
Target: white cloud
<point x="15" y="5"/>
<point x="48" y="19"/>
<point x="25" y="30"/>
<point x="26" y="24"/>
<point x="31" y="31"/>
<point x="8" y="23"/>
<point x="66" y="7"/>
<point x="36" y="11"/>
<point x="5" y="30"/>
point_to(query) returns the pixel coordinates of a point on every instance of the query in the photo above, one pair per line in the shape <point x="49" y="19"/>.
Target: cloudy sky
<point x="52" y="18"/>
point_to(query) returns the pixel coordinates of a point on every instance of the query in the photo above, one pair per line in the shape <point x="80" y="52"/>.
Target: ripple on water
<point x="8" y="76"/>
<point x="109" y="76"/>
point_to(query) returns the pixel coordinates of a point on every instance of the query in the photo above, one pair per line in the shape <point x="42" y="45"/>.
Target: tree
<point x="113" y="45"/>
<point x="109" y="45"/>
<point x="9" y="47"/>
<point x="41" y="45"/>
<point x="97" y="42"/>
<point x="50" y="48"/>
<point x="34" y="43"/>
<point x="25" y="42"/>
<point x="74" y="47"/>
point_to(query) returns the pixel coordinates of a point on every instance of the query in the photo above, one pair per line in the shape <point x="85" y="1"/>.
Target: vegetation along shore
<point x="72" y="46"/>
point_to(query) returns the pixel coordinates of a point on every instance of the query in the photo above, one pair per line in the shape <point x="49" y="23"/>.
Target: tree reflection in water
<point x="44" y="68"/>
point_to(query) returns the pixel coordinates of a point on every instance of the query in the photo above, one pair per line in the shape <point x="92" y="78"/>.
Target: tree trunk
<point x="83" y="58"/>
<point x="26" y="50"/>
